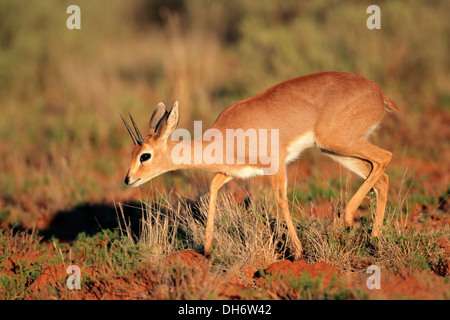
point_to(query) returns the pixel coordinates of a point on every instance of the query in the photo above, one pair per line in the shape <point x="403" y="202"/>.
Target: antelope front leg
<point x="279" y="189"/>
<point x="219" y="180"/>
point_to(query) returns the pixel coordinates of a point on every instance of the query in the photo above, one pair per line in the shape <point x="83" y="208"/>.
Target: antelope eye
<point x="145" y="157"/>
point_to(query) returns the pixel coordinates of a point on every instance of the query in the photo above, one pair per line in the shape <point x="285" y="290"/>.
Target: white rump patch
<point x="299" y="145"/>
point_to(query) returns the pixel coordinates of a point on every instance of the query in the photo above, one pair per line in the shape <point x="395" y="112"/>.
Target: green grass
<point x="16" y="271"/>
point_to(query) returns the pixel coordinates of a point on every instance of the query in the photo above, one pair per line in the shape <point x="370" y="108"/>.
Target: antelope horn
<point x="129" y="131"/>
<point x="140" y="139"/>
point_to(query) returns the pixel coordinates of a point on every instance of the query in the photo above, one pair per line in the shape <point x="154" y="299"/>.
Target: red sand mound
<point x="186" y="258"/>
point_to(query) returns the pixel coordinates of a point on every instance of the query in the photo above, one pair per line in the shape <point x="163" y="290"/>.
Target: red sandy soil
<point x="425" y="285"/>
<point x="297" y="268"/>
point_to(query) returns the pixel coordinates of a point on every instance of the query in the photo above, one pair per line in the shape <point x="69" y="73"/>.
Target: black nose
<point x="127" y="180"/>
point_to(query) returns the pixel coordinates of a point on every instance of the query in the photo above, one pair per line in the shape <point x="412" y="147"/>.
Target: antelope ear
<point x="168" y="123"/>
<point x="156" y="117"/>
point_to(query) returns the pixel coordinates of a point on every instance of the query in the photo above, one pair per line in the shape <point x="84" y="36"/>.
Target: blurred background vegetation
<point x="61" y="90"/>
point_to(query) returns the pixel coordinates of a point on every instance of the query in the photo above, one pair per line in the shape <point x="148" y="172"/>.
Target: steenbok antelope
<point x="335" y="111"/>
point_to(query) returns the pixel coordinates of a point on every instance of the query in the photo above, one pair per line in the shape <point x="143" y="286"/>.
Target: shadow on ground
<point x="91" y="219"/>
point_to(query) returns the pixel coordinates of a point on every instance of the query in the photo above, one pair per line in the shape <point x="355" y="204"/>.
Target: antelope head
<point x="150" y="156"/>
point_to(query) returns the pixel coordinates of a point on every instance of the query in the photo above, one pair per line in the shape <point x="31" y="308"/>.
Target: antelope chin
<point x="136" y="183"/>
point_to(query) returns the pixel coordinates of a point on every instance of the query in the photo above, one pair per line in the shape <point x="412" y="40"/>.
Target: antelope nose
<point x="127" y="179"/>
